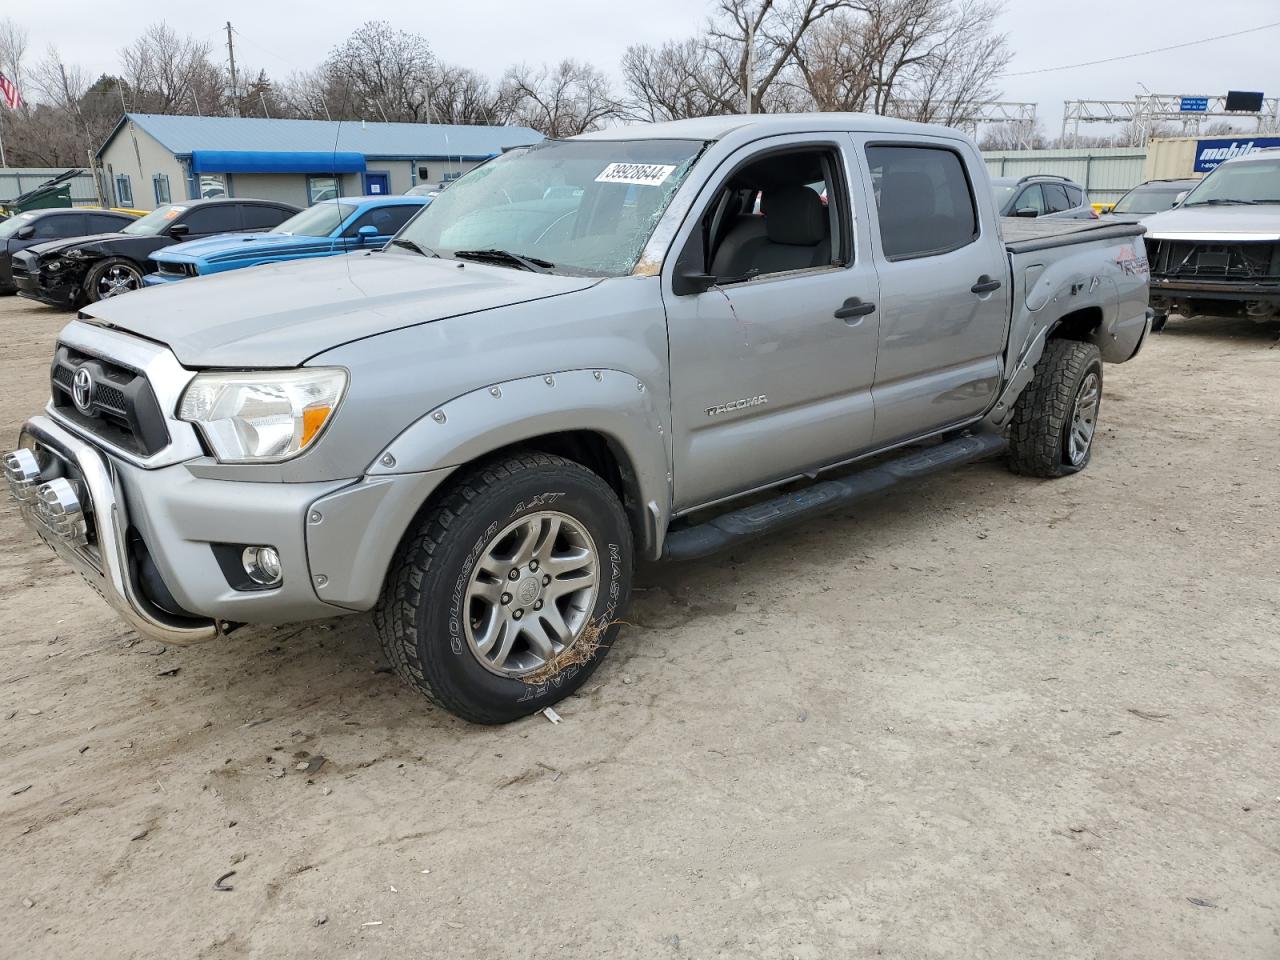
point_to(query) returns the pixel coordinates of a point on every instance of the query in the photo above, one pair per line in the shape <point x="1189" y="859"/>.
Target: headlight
<point x="267" y="416"/>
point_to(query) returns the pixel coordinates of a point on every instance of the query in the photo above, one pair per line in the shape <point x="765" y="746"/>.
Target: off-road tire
<point x="89" y="289"/>
<point x="1158" y="322"/>
<point x="419" y="616"/>
<point x="1040" y="428"/>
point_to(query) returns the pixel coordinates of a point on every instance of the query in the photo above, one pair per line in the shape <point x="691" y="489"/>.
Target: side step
<point x="759" y="519"/>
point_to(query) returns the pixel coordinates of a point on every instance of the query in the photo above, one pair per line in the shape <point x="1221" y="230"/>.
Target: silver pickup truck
<point x="650" y="342"/>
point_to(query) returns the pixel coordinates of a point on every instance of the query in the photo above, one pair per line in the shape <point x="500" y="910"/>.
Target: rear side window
<point x="1055" y="196"/>
<point x="924" y="201"/>
<point x="264" y="217"/>
<point x="1075" y="195"/>
<point x="216" y="218"/>
<point x="387" y="219"/>
<point x="107" y="222"/>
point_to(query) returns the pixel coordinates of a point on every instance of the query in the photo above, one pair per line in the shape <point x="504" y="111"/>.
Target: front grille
<point x="123" y="410"/>
<point x="1252" y="261"/>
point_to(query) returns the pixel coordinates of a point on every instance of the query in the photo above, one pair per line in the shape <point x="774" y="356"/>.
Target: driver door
<point x="772" y="367"/>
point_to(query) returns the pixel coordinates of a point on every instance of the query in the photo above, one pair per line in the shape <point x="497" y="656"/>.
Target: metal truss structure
<point x="969" y="117"/>
<point x="1143" y="112"/>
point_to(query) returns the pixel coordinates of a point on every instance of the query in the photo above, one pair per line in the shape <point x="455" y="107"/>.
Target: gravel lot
<point x="987" y="717"/>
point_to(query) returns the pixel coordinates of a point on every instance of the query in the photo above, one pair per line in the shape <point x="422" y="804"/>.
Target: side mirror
<point x="1026" y="212"/>
<point x="27" y="232"/>
<point x="367" y="233"/>
<point x="686" y="282"/>
<point x="1177" y="201"/>
<point x="179" y="230"/>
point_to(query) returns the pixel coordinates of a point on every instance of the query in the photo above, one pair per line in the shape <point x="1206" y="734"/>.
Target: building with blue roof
<point x="150" y="159"/>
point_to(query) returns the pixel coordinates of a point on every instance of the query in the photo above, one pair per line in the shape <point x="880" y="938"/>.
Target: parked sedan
<point x="330" y="227"/>
<point x="1154" y="196"/>
<point x="71" y="273"/>
<point x="34" y="227"/>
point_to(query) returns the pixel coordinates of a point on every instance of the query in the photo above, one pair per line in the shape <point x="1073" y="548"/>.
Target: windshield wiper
<point x="506" y="256"/>
<point x="416" y="248"/>
<point x="1218" y="200"/>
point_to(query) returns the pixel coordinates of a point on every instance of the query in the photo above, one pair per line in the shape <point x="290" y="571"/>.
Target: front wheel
<point x="506" y="596"/>
<point x="111" y="278"/>
<point x="1056" y="416"/>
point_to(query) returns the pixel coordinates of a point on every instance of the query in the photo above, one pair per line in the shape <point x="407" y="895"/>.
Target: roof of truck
<point x="765" y="124"/>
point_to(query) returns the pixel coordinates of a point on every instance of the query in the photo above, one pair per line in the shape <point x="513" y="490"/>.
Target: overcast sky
<point x="282" y="35"/>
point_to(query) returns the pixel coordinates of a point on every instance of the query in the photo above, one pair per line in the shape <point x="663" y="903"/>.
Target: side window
<point x="160" y="184"/>
<point x="924" y="200"/>
<point x="782" y="212"/>
<point x="1074" y="194"/>
<point x="1055" y="197"/>
<point x="60" y="225"/>
<point x="216" y="218"/>
<point x="107" y="223"/>
<point x="1031" y="199"/>
<point x="262" y="216"/>
<point x="124" y="190"/>
<point x="388" y="220"/>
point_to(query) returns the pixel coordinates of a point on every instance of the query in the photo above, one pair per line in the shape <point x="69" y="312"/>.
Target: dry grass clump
<point x="574" y="655"/>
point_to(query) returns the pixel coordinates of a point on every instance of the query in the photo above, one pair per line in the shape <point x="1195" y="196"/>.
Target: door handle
<point x="853" y="307"/>
<point x="985" y="285"/>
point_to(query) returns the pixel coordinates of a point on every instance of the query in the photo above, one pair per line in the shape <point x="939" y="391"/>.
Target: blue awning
<point x="275" y="161"/>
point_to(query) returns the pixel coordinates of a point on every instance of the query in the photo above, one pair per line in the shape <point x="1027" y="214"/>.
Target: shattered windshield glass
<point x="586" y="207"/>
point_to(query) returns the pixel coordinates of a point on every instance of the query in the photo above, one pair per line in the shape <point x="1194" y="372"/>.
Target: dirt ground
<point x="986" y="717"/>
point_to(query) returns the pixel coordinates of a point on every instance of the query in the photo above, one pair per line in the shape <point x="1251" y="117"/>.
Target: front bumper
<point x="138" y="534"/>
<point x="93" y="540"/>
<point x="160" y="279"/>
<point x="61" y="294"/>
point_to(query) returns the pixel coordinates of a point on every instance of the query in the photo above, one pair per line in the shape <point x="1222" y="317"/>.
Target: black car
<point x="71" y="273"/>
<point x="24" y="230"/>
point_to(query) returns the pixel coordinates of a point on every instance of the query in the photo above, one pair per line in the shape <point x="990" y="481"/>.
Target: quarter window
<point x="124" y="190"/>
<point x="924" y="201"/>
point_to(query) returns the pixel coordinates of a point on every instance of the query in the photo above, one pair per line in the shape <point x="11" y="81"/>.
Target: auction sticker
<point x="645" y="174"/>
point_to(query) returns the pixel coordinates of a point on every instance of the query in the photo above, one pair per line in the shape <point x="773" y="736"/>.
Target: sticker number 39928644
<point x="645" y="174"/>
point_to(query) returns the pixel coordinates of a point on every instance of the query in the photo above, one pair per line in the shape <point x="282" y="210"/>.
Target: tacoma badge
<point x="737" y="405"/>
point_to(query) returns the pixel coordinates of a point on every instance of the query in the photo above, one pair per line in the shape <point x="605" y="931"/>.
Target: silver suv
<point x="1042" y="195"/>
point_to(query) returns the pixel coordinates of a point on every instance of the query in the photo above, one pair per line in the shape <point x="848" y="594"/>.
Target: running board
<point x="760" y="519"/>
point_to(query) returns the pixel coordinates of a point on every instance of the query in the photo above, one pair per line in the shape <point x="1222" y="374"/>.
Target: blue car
<point x="329" y="227"/>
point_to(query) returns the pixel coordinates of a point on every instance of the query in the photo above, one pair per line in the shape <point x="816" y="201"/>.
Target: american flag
<point x="9" y="91"/>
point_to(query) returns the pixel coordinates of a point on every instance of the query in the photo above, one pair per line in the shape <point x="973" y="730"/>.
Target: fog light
<point x="262" y="564"/>
<point x="22" y="470"/>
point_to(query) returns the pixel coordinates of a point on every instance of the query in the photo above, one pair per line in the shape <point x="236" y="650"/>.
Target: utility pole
<point x="231" y="56"/>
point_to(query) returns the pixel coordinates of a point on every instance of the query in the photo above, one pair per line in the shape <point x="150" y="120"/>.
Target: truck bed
<point x="1025" y="235"/>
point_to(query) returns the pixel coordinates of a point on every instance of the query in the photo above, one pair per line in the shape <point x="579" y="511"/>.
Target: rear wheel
<point x="111" y="278"/>
<point x="506" y="596"/>
<point x="1055" y="418"/>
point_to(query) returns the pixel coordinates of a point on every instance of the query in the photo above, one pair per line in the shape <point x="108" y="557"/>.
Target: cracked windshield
<point x="581" y="207"/>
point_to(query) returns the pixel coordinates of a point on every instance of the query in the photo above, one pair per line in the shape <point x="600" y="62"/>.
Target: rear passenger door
<point x="211" y="219"/>
<point x="943" y="297"/>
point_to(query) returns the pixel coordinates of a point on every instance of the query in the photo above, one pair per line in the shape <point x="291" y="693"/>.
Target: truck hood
<point x="1216" y="223"/>
<point x="233" y="245"/>
<point x="280" y="315"/>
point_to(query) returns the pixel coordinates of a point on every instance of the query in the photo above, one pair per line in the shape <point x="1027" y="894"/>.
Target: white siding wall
<point x="1107" y="174"/>
<point x="135" y="153"/>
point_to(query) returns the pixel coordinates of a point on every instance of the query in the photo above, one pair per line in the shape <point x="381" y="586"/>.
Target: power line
<point x="1144" y="53"/>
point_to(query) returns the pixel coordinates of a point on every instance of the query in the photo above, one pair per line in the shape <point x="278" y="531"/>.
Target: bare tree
<point x="560" y="101"/>
<point x="679" y="79"/>
<point x="168" y="73"/>
<point x="383" y="72"/>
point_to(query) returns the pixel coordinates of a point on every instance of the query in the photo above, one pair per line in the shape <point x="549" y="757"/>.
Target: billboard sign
<point x="1210" y="153"/>
<point x="1194" y="105"/>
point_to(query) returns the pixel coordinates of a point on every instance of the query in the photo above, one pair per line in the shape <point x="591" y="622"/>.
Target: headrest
<point x="795" y="216"/>
<point x="909" y="194"/>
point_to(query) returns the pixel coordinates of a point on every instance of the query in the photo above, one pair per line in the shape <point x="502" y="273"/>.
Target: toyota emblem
<point x="82" y="390"/>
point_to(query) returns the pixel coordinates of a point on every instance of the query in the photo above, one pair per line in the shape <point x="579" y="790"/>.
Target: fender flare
<point x="609" y="402"/>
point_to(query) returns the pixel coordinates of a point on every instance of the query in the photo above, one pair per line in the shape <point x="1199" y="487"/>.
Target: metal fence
<point x="1106" y="173"/>
<point x="15" y="181"/>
